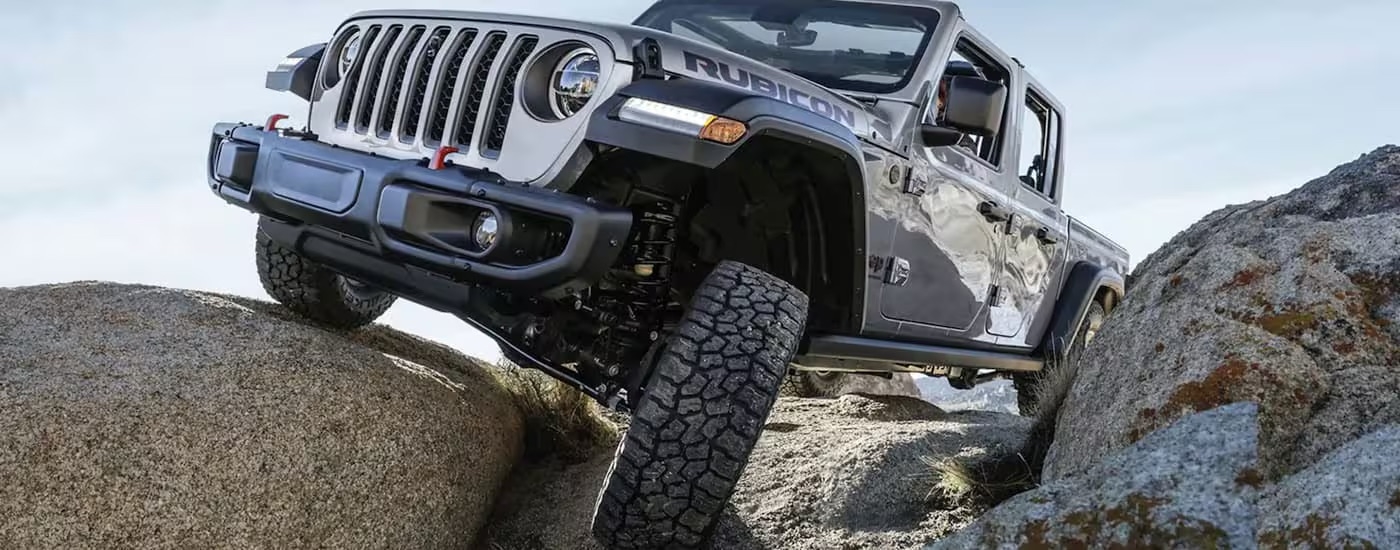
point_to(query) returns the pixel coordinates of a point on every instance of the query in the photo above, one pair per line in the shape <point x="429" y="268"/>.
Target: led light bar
<point x="681" y="120"/>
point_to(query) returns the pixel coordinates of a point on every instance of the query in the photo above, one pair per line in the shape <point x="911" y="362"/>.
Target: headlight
<point x="349" y="53"/>
<point x="484" y="230"/>
<point x="573" y="82"/>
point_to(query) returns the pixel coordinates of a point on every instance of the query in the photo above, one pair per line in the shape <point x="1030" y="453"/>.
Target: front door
<point x="950" y="236"/>
<point x="951" y="227"/>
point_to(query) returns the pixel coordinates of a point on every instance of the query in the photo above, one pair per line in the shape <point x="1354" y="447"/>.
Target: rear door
<point x="950" y="232"/>
<point x="1039" y="231"/>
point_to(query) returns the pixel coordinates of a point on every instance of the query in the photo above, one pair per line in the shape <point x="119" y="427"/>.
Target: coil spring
<point x="656" y="243"/>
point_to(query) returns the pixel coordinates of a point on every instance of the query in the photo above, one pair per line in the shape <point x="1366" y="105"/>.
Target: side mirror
<point x="974" y="106"/>
<point x="938" y="136"/>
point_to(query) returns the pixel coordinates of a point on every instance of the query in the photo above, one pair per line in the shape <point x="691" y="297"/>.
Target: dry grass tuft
<point x="559" y="421"/>
<point x="993" y="479"/>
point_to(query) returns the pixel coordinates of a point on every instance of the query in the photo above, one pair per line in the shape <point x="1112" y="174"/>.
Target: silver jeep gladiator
<point x="676" y="215"/>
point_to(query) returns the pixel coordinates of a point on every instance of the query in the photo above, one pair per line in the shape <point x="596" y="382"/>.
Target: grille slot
<point x="422" y="72"/>
<point x="447" y="87"/>
<point x="505" y="95"/>
<point x="374" y="74"/>
<point x="352" y="79"/>
<point x="396" y="78"/>
<point x="476" y="87"/>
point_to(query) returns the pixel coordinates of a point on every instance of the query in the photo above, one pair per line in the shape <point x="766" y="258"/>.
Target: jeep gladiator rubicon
<point x="670" y="216"/>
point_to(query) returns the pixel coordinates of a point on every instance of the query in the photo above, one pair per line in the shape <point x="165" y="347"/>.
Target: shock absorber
<point x="655" y="248"/>
<point x="648" y="288"/>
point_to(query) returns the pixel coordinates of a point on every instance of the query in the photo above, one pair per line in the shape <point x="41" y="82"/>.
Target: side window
<point x="968" y="60"/>
<point x="1040" y="134"/>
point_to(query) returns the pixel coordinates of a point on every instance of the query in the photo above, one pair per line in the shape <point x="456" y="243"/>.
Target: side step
<point x="833" y="346"/>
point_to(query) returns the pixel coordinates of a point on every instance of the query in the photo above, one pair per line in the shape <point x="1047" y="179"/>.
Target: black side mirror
<point x="938" y="136"/>
<point x="974" y="106"/>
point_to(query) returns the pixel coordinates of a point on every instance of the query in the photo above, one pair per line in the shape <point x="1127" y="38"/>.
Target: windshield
<point x="860" y="47"/>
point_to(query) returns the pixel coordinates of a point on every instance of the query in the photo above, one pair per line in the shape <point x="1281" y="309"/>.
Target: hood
<point x="692" y="59"/>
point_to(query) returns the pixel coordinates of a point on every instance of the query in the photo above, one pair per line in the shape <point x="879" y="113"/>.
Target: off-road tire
<point x="702" y="411"/>
<point x="315" y="292"/>
<point x="813" y="383"/>
<point x="1028" y="384"/>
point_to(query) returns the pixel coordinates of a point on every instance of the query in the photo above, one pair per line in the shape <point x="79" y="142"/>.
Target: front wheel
<point x="702" y="411"/>
<point x="314" y="292"/>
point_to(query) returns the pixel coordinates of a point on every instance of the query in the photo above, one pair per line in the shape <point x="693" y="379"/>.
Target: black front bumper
<point x="400" y="226"/>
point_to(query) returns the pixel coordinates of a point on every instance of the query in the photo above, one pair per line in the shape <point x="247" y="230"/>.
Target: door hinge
<point x="914" y="185"/>
<point x="897" y="271"/>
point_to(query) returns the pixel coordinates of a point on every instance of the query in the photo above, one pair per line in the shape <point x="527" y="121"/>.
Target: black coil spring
<point x="655" y="248"/>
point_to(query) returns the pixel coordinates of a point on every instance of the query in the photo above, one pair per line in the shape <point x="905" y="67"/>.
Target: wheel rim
<point x="1095" y="322"/>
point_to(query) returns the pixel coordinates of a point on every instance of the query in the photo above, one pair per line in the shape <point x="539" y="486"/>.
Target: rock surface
<point x="1349" y="499"/>
<point x="1151" y="495"/>
<point x="827" y="474"/>
<point x="146" y="417"/>
<point x="1197" y="484"/>
<point x="1292" y="302"/>
<point x="837" y="384"/>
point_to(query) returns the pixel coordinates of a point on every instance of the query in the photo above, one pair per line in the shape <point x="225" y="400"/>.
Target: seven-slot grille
<point x="409" y="77"/>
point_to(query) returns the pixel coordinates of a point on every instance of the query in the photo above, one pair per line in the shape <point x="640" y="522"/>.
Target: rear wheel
<point x="1029" y="385"/>
<point x="702" y="412"/>
<point x="814" y="383"/>
<point x="315" y="292"/>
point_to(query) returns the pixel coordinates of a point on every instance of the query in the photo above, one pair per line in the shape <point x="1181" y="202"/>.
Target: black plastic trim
<point x="1081" y="286"/>
<point x="372" y="205"/>
<point x="764" y="116"/>
<point x="837" y="346"/>
<point x="299" y="78"/>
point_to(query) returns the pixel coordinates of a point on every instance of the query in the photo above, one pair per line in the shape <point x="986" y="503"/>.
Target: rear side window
<point x="1040" y="144"/>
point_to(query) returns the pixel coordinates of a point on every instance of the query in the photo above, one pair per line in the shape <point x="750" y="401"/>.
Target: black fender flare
<point x="297" y="73"/>
<point x="765" y="116"/>
<point x="1081" y="286"/>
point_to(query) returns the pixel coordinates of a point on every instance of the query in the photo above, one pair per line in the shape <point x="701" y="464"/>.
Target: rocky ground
<point x="147" y="417"/>
<point x="1245" y="394"/>
<point x="849" y="472"/>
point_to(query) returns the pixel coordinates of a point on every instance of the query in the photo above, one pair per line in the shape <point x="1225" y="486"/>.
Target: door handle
<point x="1043" y="235"/>
<point x="994" y="212"/>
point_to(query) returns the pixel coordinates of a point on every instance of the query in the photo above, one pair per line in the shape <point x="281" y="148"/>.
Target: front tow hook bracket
<point x="440" y="157"/>
<point x="272" y="121"/>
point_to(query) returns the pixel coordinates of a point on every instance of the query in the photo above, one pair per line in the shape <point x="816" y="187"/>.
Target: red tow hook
<point x="273" y="120"/>
<point x="440" y="157"/>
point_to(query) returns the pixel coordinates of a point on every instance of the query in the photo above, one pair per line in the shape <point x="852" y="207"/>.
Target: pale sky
<point x="1175" y="108"/>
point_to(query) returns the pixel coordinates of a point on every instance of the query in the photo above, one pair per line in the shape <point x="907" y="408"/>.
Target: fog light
<point x="484" y="230"/>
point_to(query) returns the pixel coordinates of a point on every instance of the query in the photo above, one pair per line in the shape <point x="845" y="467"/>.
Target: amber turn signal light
<point x="723" y="130"/>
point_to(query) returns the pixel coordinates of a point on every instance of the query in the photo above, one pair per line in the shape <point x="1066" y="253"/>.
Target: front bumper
<point x="406" y="228"/>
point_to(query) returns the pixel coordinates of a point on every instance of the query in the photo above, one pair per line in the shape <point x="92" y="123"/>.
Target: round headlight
<point x="484" y="230"/>
<point x="350" y="53"/>
<point x="573" y="83"/>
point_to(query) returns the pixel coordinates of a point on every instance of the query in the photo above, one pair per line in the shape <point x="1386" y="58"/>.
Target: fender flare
<point x="764" y="116"/>
<point x="1083" y="284"/>
<point x="297" y="73"/>
<point x="767" y="118"/>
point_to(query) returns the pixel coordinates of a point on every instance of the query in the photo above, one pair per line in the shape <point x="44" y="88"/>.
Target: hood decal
<point x="720" y="71"/>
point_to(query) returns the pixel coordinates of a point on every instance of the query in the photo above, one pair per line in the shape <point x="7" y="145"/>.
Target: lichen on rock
<point x="1291" y="302"/>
